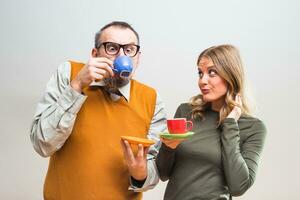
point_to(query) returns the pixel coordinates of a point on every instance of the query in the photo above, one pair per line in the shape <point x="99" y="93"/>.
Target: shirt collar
<point x="124" y="90"/>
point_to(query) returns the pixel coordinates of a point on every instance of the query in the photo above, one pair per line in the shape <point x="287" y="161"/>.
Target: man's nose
<point x="121" y="52"/>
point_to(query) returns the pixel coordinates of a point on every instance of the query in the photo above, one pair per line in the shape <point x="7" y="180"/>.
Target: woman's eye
<point x="212" y="72"/>
<point x="200" y="73"/>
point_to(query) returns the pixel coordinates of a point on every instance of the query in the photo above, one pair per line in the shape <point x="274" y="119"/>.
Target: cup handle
<point x="189" y="126"/>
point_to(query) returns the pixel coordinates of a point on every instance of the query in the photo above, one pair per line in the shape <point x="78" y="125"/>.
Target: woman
<point x="220" y="160"/>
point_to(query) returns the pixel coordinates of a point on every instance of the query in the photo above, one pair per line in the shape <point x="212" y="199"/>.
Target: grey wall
<point x="36" y="36"/>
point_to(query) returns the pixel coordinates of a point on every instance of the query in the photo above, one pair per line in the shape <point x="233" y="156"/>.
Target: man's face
<point x="121" y="36"/>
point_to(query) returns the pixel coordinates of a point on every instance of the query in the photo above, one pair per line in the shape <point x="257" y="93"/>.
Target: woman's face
<point x="212" y="86"/>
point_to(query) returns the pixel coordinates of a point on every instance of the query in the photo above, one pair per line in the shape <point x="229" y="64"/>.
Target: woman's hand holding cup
<point x="177" y="126"/>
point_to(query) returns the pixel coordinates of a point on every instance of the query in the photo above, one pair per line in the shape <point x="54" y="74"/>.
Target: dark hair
<point x="119" y="24"/>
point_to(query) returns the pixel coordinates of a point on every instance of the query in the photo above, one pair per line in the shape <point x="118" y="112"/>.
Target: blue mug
<point x="123" y="66"/>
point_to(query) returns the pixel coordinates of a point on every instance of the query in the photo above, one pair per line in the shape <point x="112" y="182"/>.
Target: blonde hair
<point x="228" y="64"/>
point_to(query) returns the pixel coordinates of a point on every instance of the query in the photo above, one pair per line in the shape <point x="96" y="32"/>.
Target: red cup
<point x="179" y="125"/>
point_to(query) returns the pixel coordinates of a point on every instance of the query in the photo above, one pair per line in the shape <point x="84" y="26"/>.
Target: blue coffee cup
<point x="123" y="66"/>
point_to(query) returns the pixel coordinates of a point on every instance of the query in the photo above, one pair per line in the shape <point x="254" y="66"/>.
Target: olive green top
<point x="216" y="162"/>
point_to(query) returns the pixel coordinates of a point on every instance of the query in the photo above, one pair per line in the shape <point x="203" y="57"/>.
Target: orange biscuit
<point x="136" y="140"/>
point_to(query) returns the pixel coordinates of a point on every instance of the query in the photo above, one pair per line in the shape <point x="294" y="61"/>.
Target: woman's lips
<point x="205" y="91"/>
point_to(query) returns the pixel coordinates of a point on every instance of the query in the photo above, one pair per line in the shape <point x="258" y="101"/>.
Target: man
<point x="83" y="113"/>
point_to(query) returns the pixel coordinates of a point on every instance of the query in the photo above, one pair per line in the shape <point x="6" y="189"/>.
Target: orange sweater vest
<point x="90" y="165"/>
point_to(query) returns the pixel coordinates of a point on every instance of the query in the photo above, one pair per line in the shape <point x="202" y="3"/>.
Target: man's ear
<point x="138" y="59"/>
<point x="94" y="52"/>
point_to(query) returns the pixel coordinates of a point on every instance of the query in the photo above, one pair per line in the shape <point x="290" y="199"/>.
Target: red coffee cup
<point x="179" y="125"/>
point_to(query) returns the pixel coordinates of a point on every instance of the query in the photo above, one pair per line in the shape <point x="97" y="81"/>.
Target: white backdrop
<point x="37" y="35"/>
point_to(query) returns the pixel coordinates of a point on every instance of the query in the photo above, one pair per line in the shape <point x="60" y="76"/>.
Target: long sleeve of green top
<point x="216" y="162"/>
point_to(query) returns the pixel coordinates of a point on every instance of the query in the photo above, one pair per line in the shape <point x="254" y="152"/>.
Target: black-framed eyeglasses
<point x="112" y="48"/>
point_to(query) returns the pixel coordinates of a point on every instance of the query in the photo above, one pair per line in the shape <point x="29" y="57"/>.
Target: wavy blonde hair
<point x="228" y="64"/>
